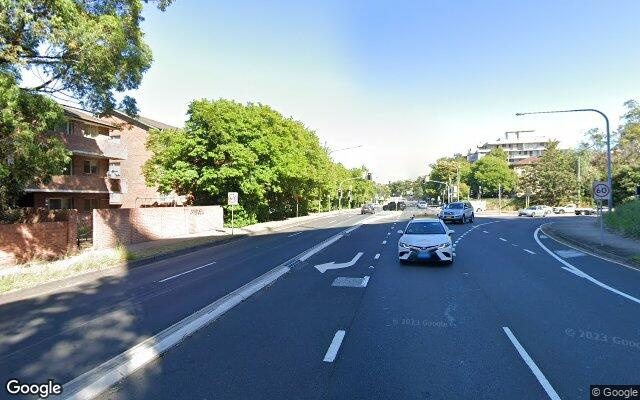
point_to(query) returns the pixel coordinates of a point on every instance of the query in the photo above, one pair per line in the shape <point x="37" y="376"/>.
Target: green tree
<point x="490" y="172"/>
<point x="275" y="163"/>
<point x="88" y="51"/>
<point x="553" y="180"/>
<point x="626" y="154"/>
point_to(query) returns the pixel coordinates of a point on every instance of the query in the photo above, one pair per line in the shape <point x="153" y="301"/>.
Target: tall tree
<point x="553" y="180"/>
<point x="491" y="173"/>
<point x="81" y="50"/>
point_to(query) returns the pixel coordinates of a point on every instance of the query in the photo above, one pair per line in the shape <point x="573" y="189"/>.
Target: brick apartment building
<point x="105" y="168"/>
<point x="86" y="183"/>
<point x="133" y="134"/>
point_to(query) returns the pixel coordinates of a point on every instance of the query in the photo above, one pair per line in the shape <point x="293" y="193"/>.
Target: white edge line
<point x="365" y="280"/>
<point x="294" y="234"/>
<point x="332" y="351"/>
<point x="100" y="378"/>
<point x="319" y="247"/>
<point x="185" y="272"/>
<point x="580" y="273"/>
<point x="588" y="252"/>
<point x="532" y="365"/>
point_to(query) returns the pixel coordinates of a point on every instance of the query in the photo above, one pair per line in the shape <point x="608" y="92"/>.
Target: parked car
<point x="426" y="239"/>
<point x="569" y="208"/>
<point x="402" y="206"/>
<point x="533" y="211"/>
<point x="368" y="209"/>
<point x="422" y="204"/>
<point x="459" y="211"/>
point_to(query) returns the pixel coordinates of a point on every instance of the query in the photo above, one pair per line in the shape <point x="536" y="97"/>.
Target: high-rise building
<point x="518" y="145"/>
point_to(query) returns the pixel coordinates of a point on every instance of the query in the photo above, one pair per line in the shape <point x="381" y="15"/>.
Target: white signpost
<point x="601" y="191"/>
<point x="232" y="200"/>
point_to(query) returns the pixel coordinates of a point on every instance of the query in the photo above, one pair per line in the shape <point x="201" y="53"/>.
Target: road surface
<point x="517" y="315"/>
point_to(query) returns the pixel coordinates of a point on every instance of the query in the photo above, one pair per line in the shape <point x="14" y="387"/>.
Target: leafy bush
<point x="625" y="218"/>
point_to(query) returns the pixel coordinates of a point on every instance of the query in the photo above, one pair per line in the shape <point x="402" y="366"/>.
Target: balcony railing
<point x="81" y="184"/>
<point x="100" y="146"/>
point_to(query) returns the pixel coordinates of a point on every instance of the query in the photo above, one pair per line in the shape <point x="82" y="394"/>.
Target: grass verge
<point x="39" y="272"/>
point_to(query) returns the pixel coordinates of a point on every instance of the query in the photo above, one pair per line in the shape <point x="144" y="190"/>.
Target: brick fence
<point x="46" y="240"/>
<point x="134" y="225"/>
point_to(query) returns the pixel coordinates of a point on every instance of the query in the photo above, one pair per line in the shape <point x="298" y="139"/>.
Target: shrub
<point x="625" y="218"/>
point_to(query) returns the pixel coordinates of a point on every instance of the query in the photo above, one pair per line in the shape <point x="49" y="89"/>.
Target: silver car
<point x="460" y="211"/>
<point x="533" y="211"/>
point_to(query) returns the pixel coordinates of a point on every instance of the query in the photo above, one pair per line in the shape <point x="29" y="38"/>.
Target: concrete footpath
<point x="584" y="234"/>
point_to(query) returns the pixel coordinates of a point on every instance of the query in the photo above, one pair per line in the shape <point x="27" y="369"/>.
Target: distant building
<point x="519" y="145"/>
<point x="520" y="165"/>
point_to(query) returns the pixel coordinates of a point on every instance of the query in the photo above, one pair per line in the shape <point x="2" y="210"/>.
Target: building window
<point x="90" y="167"/>
<point x="68" y="169"/>
<point x="90" y="131"/>
<point x="90" y="204"/>
<point x="115" y="138"/>
<point x="58" y="203"/>
<point x="114" y="169"/>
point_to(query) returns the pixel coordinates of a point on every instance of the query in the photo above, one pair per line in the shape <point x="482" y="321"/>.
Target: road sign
<point x="601" y="190"/>
<point x="232" y="198"/>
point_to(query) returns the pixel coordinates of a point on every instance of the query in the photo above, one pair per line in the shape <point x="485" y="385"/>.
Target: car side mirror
<point x="400" y="231"/>
<point x="450" y="232"/>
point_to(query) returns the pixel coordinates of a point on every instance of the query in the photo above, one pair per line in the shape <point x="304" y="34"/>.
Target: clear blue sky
<point x="411" y="81"/>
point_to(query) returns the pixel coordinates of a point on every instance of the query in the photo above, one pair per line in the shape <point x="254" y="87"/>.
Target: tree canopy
<point x="276" y="164"/>
<point x="79" y="51"/>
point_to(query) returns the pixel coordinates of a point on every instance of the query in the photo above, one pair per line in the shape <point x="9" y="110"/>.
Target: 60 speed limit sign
<point x="601" y="190"/>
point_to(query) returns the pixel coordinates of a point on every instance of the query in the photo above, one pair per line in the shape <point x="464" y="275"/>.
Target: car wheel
<point x="561" y="211"/>
<point x="464" y="219"/>
<point x="447" y="262"/>
<point x="403" y="261"/>
<point x="473" y="217"/>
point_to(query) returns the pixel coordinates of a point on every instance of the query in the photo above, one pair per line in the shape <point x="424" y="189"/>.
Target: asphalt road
<point x="517" y="315"/>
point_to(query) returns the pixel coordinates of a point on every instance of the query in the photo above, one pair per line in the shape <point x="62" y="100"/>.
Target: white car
<point x="422" y="204"/>
<point x="426" y="239"/>
<point x="533" y="211"/>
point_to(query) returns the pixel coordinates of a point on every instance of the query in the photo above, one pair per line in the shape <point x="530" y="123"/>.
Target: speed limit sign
<point x="601" y="190"/>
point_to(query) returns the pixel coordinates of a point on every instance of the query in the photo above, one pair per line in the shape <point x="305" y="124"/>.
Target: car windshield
<point x="455" y="206"/>
<point x="425" y="228"/>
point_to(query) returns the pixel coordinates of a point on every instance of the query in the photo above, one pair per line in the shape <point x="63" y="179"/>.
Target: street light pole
<point x="609" y="180"/>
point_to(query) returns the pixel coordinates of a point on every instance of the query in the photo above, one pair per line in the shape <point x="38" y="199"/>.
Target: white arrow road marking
<point x="332" y="265"/>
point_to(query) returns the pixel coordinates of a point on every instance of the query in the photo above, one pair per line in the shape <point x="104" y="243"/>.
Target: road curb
<point x="99" y="379"/>
<point x="591" y="250"/>
<point x="53" y="286"/>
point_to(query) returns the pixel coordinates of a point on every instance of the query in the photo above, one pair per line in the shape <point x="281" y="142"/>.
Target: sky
<point x="410" y="81"/>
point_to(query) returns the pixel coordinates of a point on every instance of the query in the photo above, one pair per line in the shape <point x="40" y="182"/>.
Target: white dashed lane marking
<point x="384" y="242"/>
<point x="529" y="251"/>
<point x="377" y="256"/>
<point x="503" y="239"/>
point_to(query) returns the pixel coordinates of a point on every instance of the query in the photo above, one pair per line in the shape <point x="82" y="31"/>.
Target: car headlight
<point x="401" y="244"/>
<point x="443" y="245"/>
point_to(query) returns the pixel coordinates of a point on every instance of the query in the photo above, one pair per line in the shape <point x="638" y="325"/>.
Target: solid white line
<point x="503" y="239"/>
<point x="581" y="273"/>
<point x="294" y="234"/>
<point x="384" y="242"/>
<point x="365" y="280"/>
<point x="529" y="251"/>
<point x="376" y="256"/>
<point x="320" y="247"/>
<point x="186" y="272"/>
<point x="332" y="351"/>
<point x="532" y="365"/>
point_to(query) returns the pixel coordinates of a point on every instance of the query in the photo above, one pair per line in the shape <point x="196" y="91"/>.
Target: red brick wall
<point x="134" y="225"/>
<point x="20" y="243"/>
<point x="134" y="137"/>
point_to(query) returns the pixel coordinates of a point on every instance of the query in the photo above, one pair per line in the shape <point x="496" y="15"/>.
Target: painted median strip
<point x="93" y="382"/>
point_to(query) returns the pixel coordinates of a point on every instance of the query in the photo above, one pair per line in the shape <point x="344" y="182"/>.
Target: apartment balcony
<point x="116" y="198"/>
<point x="101" y="146"/>
<point x="81" y="184"/>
